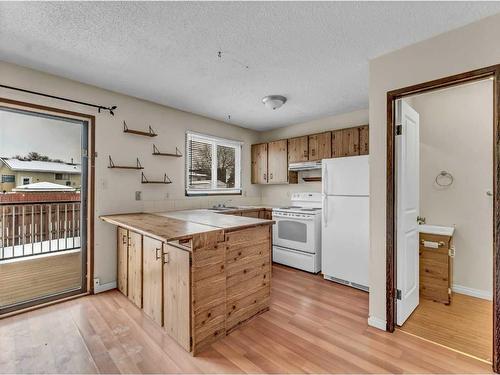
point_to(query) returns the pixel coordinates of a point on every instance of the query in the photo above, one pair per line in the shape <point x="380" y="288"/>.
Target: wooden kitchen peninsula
<point x="198" y="273"/>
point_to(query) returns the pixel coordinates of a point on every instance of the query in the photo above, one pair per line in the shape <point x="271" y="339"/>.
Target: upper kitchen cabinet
<point x="259" y="163"/>
<point x="320" y="146"/>
<point x="345" y="142"/>
<point x="364" y="148"/>
<point x="298" y="149"/>
<point x="277" y="162"/>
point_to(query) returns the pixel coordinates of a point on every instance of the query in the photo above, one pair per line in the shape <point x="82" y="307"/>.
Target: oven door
<point x="294" y="233"/>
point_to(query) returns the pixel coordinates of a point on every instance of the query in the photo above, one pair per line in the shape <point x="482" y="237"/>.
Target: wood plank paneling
<point x="135" y="268"/>
<point x="152" y="290"/>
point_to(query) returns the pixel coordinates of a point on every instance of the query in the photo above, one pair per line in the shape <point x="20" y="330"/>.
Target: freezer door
<point x="346" y="176"/>
<point x="345" y="238"/>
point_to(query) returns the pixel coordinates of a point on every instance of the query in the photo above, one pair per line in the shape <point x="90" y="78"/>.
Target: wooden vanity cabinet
<point x="277" y="162"/>
<point x="152" y="279"/>
<point x="435" y="268"/>
<point x="320" y="146"/>
<point x="298" y="149"/>
<point x="345" y="142"/>
<point x="259" y="163"/>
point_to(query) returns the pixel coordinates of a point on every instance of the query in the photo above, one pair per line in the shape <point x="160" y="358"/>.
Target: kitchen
<point x="158" y="266"/>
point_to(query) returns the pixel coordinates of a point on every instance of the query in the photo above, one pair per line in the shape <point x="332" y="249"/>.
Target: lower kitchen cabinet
<point x="176" y="298"/>
<point x="134" y="285"/>
<point x="122" y="255"/>
<point x="152" y="288"/>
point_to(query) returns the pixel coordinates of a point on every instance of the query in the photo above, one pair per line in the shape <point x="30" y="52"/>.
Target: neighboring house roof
<point x="43" y="186"/>
<point x="41" y="166"/>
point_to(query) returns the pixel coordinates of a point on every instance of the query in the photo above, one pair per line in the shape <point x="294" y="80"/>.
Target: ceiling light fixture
<point x="273" y="101"/>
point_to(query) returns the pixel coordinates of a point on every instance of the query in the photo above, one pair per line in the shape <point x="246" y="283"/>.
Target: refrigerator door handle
<point x="325" y="210"/>
<point x="325" y="179"/>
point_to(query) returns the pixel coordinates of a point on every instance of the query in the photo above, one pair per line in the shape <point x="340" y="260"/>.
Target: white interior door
<point x="407" y="210"/>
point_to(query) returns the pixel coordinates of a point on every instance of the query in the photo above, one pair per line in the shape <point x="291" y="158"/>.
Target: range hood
<point x="304" y="166"/>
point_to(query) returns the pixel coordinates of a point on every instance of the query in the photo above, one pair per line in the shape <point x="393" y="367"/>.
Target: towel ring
<point x="444" y="179"/>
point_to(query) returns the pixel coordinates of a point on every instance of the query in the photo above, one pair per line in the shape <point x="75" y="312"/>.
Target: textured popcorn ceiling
<point x="316" y="54"/>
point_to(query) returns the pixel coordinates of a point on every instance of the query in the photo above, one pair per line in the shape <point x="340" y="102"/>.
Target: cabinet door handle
<point x="165" y="258"/>
<point x="158" y="253"/>
<point x="124" y="239"/>
<point x="271" y="176"/>
<point x="265" y="177"/>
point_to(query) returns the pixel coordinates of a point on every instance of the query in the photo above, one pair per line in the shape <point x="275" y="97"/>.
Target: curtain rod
<point x="99" y="107"/>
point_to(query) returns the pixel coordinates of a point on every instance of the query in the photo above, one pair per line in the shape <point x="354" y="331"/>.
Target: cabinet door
<point x="135" y="268"/>
<point x="298" y="149"/>
<point x="350" y="142"/>
<point x="364" y="140"/>
<point x="152" y="294"/>
<point x="345" y="142"/>
<point x="259" y="163"/>
<point x="277" y="162"/>
<point x="122" y="255"/>
<point x="320" y="146"/>
<point x="250" y="213"/>
<point x="176" y="301"/>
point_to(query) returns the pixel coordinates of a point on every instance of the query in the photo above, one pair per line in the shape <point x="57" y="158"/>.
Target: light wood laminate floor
<point x="466" y="324"/>
<point x="313" y="326"/>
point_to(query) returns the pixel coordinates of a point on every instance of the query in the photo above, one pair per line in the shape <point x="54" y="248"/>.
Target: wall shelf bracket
<point x="166" y="180"/>
<point x="149" y="133"/>
<point x="177" y="154"/>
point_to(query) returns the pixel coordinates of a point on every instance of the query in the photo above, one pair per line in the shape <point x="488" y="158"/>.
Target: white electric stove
<point x="297" y="233"/>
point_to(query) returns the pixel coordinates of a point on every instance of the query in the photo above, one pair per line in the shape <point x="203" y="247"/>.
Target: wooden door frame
<point x="491" y="71"/>
<point x="36" y="108"/>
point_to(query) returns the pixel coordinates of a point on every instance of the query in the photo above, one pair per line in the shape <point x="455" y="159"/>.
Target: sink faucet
<point x="223" y="204"/>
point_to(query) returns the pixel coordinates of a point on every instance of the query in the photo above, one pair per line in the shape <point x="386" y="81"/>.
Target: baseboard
<point x="484" y="294"/>
<point x="377" y="323"/>
<point x="104" y="287"/>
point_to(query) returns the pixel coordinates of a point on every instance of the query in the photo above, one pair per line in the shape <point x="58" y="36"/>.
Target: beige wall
<point x="470" y="47"/>
<point x="456" y="136"/>
<point x="280" y="194"/>
<point x="115" y="189"/>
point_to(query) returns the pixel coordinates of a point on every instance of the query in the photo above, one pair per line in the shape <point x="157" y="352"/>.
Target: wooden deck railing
<point x="38" y="228"/>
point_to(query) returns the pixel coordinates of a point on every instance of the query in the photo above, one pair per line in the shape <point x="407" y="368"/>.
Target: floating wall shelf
<point x="177" y="154"/>
<point x="149" y="133"/>
<point x="166" y="180"/>
<point x="112" y="165"/>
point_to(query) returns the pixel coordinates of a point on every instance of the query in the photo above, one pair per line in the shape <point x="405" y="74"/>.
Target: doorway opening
<point x="46" y="184"/>
<point x="442" y="224"/>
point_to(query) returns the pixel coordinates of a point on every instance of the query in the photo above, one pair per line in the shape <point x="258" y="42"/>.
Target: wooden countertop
<point x="216" y="218"/>
<point x="179" y="225"/>
<point x="159" y="227"/>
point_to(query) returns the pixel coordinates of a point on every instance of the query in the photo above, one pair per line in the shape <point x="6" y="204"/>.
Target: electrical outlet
<point x="97" y="282"/>
<point x="138" y="196"/>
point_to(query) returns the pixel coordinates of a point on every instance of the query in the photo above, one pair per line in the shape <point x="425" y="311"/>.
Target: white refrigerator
<point x="345" y="224"/>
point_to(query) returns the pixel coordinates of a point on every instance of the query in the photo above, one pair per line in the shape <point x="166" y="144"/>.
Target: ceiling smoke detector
<point x="273" y="101"/>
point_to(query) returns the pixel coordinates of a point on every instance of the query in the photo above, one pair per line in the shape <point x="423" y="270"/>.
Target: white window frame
<point x="214" y="141"/>
<point x="30" y="180"/>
